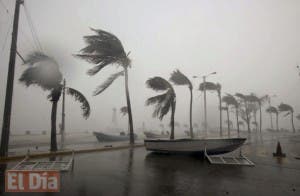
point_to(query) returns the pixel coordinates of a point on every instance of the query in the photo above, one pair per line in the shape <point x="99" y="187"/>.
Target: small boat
<point x="149" y="134"/>
<point x="102" y="137"/>
<point x="194" y="146"/>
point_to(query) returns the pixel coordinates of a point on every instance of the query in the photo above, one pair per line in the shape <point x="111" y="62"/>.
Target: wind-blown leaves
<point x="85" y="106"/>
<point x="158" y="84"/>
<point x="179" y="78"/>
<point x="36" y="57"/>
<point x="272" y="109"/>
<point x="163" y="102"/>
<point x="230" y="100"/>
<point x="43" y="71"/>
<point x="209" y="86"/>
<point x="285" y="108"/>
<point x="108" y="82"/>
<point x="103" y="49"/>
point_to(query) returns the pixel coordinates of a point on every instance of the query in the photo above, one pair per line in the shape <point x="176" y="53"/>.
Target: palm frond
<point x="158" y="99"/>
<point x="241" y="96"/>
<point x="285" y="108"/>
<point x="44" y="75"/>
<point x="103" y="49"/>
<point x="209" y="86"/>
<point x="158" y="84"/>
<point x="108" y="82"/>
<point x="272" y="109"/>
<point x="36" y="57"/>
<point x="85" y="106"/>
<point x="230" y="100"/>
<point x="179" y="78"/>
<point x="124" y="110"/>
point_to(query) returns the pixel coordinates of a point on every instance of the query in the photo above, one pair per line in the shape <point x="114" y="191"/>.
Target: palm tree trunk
<point x="220" y="108"/>
<point x="247" y="117"/>
<point x="292" y="121"/>
<point x="271" y="118"/>
<point x="172" y="119"/>
<point x="237" y="121"/>
<point x="53" y="127"/>
<point x="277" y="126"/>
<point x="131" y="133"/>
<point x="191" y="113"/>
<point x="260" y="118"/>
<point x="255" y="119"/>
<point x="228" y="123"/>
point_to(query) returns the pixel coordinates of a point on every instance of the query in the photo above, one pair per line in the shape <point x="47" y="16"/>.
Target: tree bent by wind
<point x="163" y="102"/>
<point x="43" y="71"/>
<point x="179" y="78"/>
<point x="290" y="111"/>
<point x="210" y="86"/>
<point x="103" y="49"/>
<point x="273" y="110"/>
<point x="230" y="100"/>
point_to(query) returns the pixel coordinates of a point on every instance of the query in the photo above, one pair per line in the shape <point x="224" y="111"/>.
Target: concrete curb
<point x="66" y="152"/>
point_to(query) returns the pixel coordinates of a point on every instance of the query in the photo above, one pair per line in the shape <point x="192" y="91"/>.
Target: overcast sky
<point x="254" y="46"/>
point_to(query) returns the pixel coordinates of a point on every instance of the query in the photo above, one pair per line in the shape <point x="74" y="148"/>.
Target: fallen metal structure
<point x="228" y="160"/>
<point x="62" y="166"/>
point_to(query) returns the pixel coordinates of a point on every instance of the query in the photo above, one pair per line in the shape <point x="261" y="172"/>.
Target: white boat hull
<point x="212" y="146"/>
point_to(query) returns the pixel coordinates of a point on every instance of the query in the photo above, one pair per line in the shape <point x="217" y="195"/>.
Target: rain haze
<point x="254" y="46"/>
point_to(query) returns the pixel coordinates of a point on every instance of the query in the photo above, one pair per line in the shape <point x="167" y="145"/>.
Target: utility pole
<point x="10" y="83"/>
<point x="62" y="131"/>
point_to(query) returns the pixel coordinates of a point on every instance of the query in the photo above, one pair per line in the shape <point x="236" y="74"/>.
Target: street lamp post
<point x="204" y="99"/>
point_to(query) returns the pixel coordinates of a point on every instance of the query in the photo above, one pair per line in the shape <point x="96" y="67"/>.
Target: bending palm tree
<point x="163" y="102"/>
<point x="44" y="72"/>
<point x="209" y="86"/>
<point x="230" y="100"/>
<point x="290" y="111"/>
<point x="105" y="49"/>
<point x="246" y="112"/>
<point x="273" y="110"/>
<point x="179" y="78"/>
<point x="259" y="100"/>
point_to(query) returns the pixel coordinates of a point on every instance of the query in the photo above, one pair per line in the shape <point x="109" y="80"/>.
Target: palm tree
<point x="210" y="86"/>
<point x="163" y="102"/>
<point x="273" y="110"/>
<point x="290" y="111"/>
<point x="244" y="112"/>
<point x="105" y="49"/>
<point x="259" y="100"/>
<point x="179" y="78"/>
<point x="230" y="100"/>
<point x="44" y="72"/>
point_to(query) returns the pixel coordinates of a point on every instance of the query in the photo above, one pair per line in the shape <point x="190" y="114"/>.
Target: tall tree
<point x="259" y="100"/>
<point x="103" y="49"/>
<point x="43" y="71"/>
<point x="273" y="110"/>
<point x="231" y="101"/>
<point x="290" y="111"/>
<point x="244" y="110"/>
<point x="179" y="78"/>
<point x="163" y="102"/>
<point x="210" y="86"/>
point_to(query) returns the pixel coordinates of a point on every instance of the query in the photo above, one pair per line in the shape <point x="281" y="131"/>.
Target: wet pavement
<point x="138" y="172"/>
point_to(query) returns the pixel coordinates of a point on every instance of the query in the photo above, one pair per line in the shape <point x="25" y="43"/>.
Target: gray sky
<point x="253" y="45"/>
